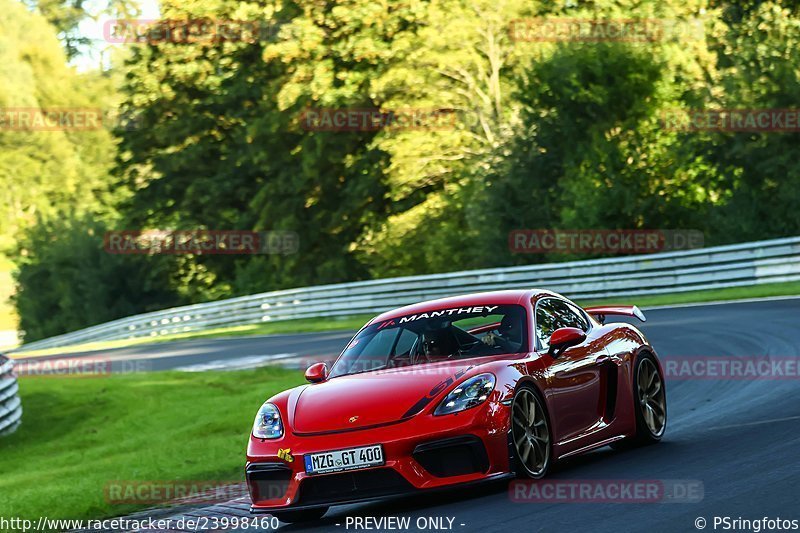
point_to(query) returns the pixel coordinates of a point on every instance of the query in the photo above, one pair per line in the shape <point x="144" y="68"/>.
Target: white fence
<point x="10" y="406"/>
<point x="708" y="268"/>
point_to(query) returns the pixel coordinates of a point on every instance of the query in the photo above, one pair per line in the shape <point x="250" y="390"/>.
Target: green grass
<point x="79" y="434"/>
<point x="303" y="325"/>
<point x="733" y="293"/>
<point x="351" y="323"/>
<point x="8" y="315"/>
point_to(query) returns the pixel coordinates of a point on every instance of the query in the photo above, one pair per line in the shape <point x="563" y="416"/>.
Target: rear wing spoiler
<point x="600" y="311"/>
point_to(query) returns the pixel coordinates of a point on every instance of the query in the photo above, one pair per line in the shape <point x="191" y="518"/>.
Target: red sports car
<point x="451" y="392"/>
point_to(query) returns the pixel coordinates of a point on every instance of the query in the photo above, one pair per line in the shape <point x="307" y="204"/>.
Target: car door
<point x="574" y="375"/>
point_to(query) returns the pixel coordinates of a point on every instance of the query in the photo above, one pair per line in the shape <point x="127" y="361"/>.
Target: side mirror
<point x="317" y="372"/>
<point x="563" y="338"/>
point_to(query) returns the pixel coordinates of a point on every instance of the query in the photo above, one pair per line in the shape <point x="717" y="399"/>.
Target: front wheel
<point x="304" y="515"/>
<point x="530" y="434"/>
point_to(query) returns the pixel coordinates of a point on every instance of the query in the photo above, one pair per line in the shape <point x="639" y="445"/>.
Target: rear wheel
<point x="304" y="515"/>
<point x="530" y="434"/>
<point x="650" y="403"/>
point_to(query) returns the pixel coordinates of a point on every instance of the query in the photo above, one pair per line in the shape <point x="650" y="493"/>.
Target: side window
<point x="581" y="318"/>
<point x="546" y="321"/>
<point x="568" y="316"/>
<point x="552" y="314"/>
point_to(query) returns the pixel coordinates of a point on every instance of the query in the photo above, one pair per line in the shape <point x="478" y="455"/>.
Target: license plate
<point x="342" y="460"/>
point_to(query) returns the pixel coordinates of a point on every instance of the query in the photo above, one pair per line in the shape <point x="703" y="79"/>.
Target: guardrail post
<point x="10" y="404"/>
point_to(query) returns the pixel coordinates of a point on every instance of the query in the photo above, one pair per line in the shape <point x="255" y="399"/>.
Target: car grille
<point x="349" y="486"/>
<point x="455" y="456"/>
<point x="268" y="481"/>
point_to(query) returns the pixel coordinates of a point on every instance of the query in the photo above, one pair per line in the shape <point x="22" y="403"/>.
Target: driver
<point x="508" y="337"/>
<point x="439" y="344"/>
<point x="431" y="348"/>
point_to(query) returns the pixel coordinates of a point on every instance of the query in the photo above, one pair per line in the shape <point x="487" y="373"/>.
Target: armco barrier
<point x="707" y="268"/>
<point x="10" y="405"/>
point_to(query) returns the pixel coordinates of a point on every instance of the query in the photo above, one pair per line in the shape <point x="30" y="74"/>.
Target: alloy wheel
<point x="652" y="400"/>
<point x="530" y="433"/>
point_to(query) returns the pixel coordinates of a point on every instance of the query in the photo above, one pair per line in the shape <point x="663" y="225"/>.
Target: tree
<point x="758" y="68"/>
<point x="67" y="15"/>
<point x="46" y="171"/>
<point x="67" y="281"/>
<point x="219" y="147"/>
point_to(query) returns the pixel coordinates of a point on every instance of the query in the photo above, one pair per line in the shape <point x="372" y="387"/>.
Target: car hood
<point x="374" y="398"/>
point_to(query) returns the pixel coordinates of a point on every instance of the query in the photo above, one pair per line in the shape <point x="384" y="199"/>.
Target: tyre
<point x="649" y="403"/>
<point x="304" y="515"/>
<point x="531" y="440"/>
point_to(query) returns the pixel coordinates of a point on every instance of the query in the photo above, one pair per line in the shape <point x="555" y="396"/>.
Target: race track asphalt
<point x="739" y="438"/>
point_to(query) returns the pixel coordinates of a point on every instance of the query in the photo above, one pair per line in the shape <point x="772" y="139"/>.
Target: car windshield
<point x="439" y="335"/>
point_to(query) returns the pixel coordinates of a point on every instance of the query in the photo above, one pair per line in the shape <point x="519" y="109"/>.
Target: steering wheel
<point x="468" y="346"/>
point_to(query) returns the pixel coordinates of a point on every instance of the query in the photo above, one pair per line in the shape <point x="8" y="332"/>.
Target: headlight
<point x="268" y="423"/>
<point x="472" y="392"/>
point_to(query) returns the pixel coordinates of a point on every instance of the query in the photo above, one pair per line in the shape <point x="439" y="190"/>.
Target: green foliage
<point x="44" y="171"/>
<point x="593" y="153"/>
<point x="67" y="15"/>
<point x="759" y="68"/>
<point x="68" y="281"/>
<point x="218" y="147"/>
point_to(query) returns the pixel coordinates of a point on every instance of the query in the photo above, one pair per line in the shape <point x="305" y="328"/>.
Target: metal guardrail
<point x="707" y="268"/>
<point x="10" y="405"/>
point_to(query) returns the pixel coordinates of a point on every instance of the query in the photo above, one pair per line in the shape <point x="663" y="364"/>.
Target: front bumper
<point x="421" y="454"/>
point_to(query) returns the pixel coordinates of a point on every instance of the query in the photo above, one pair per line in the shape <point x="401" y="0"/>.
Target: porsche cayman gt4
<point x="452" y="392"/>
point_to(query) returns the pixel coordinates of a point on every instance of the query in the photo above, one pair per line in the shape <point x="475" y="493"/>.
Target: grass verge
<point x="716" y="295"/>
<point x="303" y="325"/>
<point x="352" y="323"/>
<point x="79" y="434"/>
